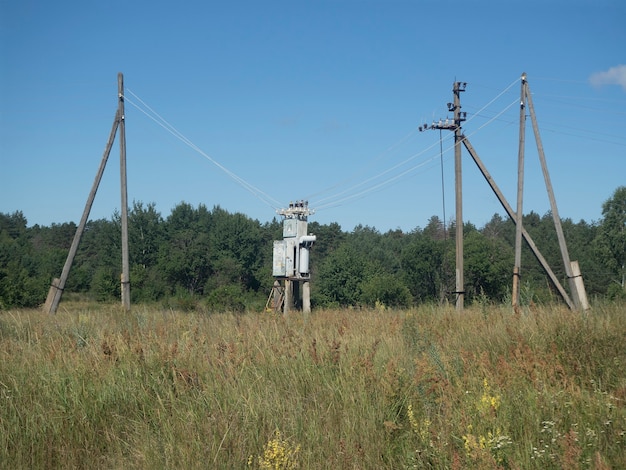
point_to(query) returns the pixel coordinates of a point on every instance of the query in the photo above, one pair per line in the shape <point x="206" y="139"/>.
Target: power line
<point x="356" y="191"/>
<point x="378" y="186"/>
<point x="384" y="172"/>
<point x="582" y="133"/>
<point x="398" y="165"/>
<point x="157" y="118"/>
<point x="333" y="200"/>
<point x="362" y="170"/>
<point x="571" y="98"/>
<point x="394" y="167"/>
<point x="339" y="201"/>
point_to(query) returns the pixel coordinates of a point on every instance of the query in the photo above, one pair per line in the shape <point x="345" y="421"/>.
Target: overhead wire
<point x="158" y="119"/>
<point x="572" y="131"/>
<point x="575" y="102"/>
<point x="348" y="194"/>
<point x="369" y="164"/>
<point x="412" y="157"/>
<point x="372" y="178"/>
<point x="395" y="177"/>
<point x="337" y="199"/>
<point x="388" y="150"/>
<point x="373" y="188"/>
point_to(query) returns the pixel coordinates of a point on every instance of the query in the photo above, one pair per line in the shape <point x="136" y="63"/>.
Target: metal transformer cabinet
<point x="279" y="266"/>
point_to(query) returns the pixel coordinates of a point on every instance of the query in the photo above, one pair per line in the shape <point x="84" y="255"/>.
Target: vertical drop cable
<point x="443" y="192"/>
<point x="445" y="229"/>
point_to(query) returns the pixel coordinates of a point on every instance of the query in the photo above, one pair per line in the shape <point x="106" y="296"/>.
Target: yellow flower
<point x="487" y="400"/>
<point x="279" y="454"/>
<point x="470" y="443"/>
<point x="421" y="430"/>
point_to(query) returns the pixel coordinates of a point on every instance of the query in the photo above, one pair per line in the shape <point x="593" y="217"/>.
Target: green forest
<point x="209" y="259"/>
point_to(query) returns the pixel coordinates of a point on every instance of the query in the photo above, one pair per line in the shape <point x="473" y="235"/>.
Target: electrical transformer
<point x="291" y="254"/>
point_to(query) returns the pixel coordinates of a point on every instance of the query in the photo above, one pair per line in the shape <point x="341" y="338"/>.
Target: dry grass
<point x="426" y="388"/>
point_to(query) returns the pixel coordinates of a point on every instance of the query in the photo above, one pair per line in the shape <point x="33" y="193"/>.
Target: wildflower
<point x="493" y="443"/>
<point x="421" y="430"/>
<point x="278" y="454"/>
<point x="487" y="400"/>
<point x="470" y="443"/>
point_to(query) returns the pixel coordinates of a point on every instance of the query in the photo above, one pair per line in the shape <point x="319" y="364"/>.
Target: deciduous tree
<point x="611" y="240"/>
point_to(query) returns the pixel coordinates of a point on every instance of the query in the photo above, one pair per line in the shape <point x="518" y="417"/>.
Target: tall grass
<point x="94" y="387"/>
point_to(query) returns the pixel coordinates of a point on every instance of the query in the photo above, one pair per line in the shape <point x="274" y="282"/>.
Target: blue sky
<point x="316" y="100"/>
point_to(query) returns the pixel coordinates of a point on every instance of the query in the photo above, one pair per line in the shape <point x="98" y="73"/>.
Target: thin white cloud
<point x="332" y="126"/>
<point x="614" y="76"/>
<point x="288" y="121"/>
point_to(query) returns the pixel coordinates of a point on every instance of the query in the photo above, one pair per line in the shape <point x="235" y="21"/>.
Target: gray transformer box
<point x="284" y="257"/>
<point x="290" y="228"/>
<point x="279" y="268"/>
<point x="294" y="228"/>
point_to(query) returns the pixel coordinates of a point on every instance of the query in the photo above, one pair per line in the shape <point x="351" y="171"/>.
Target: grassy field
<point x="94" y="387"/>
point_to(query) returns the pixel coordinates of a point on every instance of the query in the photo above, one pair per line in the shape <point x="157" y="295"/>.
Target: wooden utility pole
<point x="520" y="197"/>
<point x="460" y="288"/>
<point x="455" y="126"/>
<point x="58" y="284"/>
<point x="125" y="287"/>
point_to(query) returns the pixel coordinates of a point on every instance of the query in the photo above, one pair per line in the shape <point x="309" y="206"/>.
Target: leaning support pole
<point x="57" y="286"/>
<point x="555" y="212"/>
<point x="507" y="207"/>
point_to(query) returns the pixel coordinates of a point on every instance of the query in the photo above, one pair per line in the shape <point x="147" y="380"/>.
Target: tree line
<point x="216" y="260"/>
